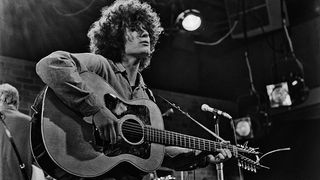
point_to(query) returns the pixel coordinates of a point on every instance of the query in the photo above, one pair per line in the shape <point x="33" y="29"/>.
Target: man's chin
<point x="143" y="54"/>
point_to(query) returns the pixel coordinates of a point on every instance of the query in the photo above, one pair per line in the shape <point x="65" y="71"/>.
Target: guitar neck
<point x="177" y="139"/>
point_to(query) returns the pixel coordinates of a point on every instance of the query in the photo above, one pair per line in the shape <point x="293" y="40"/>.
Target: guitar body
<point x="67" y="145"/>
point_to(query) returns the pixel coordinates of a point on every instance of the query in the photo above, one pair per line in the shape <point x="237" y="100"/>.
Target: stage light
<point x="243" y="128"/>
<point x="287" y="93"/>
<point x="289" y="82"/>
<point x="189" y="20"/>
<point x="279" y="94"/>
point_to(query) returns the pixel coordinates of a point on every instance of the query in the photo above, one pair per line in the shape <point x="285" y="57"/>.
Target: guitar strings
<point x="184" y="140"/>
<point x="163" y="135"/>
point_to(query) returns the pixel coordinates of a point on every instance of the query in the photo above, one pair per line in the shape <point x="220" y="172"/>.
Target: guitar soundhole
<point x="132" y="131"/>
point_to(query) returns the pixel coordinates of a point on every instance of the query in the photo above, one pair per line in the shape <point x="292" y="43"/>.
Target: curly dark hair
<point x="107" y="34"/>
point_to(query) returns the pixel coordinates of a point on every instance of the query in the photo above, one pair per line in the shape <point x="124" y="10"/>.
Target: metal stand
<point x="219" y="166"/>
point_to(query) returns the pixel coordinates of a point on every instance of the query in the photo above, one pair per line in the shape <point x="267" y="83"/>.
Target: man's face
<point x="137" y="42"/>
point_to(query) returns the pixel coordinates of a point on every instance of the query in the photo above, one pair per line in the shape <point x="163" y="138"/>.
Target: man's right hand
<point x="106" y="123"/>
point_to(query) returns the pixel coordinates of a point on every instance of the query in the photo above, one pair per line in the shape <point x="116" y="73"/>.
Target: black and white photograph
<point x="159" y="90"/>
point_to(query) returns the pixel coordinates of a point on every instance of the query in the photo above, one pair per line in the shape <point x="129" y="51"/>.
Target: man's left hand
<point x="223" y="155"/>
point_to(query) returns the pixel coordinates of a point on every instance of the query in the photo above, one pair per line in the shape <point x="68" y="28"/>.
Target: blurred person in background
<point x="18" y="125"/>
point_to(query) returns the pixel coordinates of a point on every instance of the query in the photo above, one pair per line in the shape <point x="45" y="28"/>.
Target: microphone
<point x="207" y="108"/>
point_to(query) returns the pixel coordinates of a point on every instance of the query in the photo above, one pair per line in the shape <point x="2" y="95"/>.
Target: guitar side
<point x="64" y="144"/>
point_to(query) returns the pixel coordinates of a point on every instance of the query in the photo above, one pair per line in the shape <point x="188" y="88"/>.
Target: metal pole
<point x="219" y="166"/>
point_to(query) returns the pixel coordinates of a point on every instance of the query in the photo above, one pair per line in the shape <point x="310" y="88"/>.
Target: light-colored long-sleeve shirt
<point x="61" y="72"/>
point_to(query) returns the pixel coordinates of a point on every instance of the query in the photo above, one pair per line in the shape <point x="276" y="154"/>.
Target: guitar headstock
<point x="247" y="150"/>
<point x="248" y="158"/>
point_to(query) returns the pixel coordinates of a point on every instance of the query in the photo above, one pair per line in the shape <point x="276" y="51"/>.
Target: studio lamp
<point x="290" y="88"/>
<point x="189" y="20"/>
<point x="243" y="128"/>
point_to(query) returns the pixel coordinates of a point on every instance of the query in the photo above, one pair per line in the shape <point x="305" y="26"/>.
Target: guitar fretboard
<point x="177" y="139"/>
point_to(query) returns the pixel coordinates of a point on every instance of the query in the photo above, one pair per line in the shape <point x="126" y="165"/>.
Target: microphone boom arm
<point x="187" y="115"/>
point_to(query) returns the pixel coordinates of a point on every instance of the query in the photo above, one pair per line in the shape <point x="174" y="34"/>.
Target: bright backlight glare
<point x="243" y="128"/>
<point x="191" y="22"/>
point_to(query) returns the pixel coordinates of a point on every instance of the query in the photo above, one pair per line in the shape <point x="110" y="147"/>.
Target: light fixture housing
<point x="190" y="20"/>
<point x="243" y="128"/>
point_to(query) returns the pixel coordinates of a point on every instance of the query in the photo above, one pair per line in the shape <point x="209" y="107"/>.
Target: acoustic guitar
<point x="67" y="145"/>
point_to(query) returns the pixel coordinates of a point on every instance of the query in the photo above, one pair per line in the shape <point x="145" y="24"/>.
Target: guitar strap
<point x="150" y="94"/>
<point x="21" y="164"/>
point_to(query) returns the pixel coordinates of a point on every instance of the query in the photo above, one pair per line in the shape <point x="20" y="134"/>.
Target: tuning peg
<point x="254" y="169"/>
<point x="246" y="166"/>
<point x="245" y="144"/>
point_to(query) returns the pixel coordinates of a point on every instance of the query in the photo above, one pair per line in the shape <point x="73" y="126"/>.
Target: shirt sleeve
<point x="182" y="159"/>
<point x="61" y="72"/>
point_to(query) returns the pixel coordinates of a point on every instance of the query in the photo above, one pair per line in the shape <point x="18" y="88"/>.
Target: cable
<point x="276" y="150"/>
<point x="75" y="13"/>
<point x="288" y="37"/>
<point x="221" y="39"/>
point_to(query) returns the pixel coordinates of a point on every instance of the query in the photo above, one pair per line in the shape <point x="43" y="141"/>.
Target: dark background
<point x="32" y="29"/>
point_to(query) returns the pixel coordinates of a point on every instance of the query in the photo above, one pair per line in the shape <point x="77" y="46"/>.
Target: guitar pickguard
<point x="120" y="109"/>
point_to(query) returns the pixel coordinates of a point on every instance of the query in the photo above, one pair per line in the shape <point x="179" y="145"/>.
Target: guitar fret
<point x="205" y="145"/>
<point x="176" y="139"/>
<point x="194" y="144"/>
<point x="163" y="140"/>
<point x="197" y="144"/>
<point x="157" y="135"/>
<point x="202" y="144"/>
<point x="182" y="141"/>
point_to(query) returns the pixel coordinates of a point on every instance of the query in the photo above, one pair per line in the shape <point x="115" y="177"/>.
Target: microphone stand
<point x="219" y="166"/>
<point x="191" y="118"/>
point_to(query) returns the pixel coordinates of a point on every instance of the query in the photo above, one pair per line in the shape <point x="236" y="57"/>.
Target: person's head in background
<point x="9" y="96"/>
<point x="108" y="34"/>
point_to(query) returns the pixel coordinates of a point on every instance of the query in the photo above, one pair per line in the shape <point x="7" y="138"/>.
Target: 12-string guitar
<point x="68" y="145"/>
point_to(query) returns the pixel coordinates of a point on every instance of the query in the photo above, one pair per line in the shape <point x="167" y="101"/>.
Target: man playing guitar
<point x="121" y="43"/>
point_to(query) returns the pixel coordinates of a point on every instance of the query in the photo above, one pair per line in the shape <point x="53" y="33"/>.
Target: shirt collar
<point x="119" y="68"/>
<point x="140" y="80"/>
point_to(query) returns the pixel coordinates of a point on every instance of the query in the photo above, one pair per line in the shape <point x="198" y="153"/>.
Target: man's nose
<point x="144" y="33"/>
